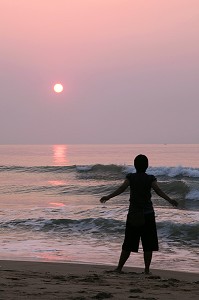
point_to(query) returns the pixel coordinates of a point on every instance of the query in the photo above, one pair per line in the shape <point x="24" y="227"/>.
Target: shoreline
<point x="87" y="263"/>
<point x="71" y="280"/>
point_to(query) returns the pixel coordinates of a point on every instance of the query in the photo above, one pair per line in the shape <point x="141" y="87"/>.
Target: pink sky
<point x="130" y="71"/>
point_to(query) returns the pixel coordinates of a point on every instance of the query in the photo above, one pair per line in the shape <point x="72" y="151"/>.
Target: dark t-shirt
<point x="140" y="191"/>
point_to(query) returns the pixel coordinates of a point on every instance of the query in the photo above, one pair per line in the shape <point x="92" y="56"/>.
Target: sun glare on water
<point x="58" y="88"/>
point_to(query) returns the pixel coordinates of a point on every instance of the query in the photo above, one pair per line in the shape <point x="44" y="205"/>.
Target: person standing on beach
<point x="140" y="221"/>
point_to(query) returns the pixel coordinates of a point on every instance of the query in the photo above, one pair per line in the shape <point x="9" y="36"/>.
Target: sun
<point x="58" y="88"/>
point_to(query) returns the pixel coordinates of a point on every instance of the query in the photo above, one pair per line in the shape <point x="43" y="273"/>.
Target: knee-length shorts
<point x="147" y="233"/>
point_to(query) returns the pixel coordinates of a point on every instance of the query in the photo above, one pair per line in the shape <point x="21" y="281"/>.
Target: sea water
<point x="50" y="208"/>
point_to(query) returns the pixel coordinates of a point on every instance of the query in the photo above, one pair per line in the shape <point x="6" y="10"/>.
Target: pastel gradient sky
<point x="130" y="71"/>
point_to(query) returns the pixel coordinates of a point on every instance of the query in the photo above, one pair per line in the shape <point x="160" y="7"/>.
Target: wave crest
<point x="112" y="168"/>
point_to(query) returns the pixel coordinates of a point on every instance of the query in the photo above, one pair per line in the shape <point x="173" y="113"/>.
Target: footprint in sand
<point x="136" y="291"/>
<point x="102" y="295"/>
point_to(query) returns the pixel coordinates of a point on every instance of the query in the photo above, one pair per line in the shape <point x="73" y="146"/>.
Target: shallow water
<point x="50" y="207"/>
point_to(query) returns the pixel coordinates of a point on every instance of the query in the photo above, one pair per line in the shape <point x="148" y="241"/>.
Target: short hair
<point x="141" y="163"/>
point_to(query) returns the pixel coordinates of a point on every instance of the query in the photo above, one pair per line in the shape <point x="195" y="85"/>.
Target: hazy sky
<point x="130" y="71"/>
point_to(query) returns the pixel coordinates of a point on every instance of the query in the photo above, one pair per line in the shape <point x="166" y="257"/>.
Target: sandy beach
<point x="44" y="280"/>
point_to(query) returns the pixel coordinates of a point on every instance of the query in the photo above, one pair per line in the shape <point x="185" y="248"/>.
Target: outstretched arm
<point x="160" y="193"/>
<point x="117" y="192"/>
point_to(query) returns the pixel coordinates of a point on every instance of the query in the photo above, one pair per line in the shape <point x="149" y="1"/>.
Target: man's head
<point x="141" y="163"/>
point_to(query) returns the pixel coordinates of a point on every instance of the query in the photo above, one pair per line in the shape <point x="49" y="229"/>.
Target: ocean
<point x="50" y="208"/>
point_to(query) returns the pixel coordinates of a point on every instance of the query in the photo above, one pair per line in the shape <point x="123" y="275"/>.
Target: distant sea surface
<point x="50" y="209"/>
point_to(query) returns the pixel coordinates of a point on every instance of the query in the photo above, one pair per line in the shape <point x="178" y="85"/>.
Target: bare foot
<point x="115" y="271"/>
<point x="147" y="272"/>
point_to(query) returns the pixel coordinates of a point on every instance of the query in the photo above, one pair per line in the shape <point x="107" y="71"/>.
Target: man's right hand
<point x="104" y="199"/>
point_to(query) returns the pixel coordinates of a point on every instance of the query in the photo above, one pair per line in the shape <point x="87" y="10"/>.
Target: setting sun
<point x="58" y="88"/>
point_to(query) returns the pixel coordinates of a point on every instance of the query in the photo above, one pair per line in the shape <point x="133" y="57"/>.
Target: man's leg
<point x="147" y="260"/>
<point x="123" y="258"/>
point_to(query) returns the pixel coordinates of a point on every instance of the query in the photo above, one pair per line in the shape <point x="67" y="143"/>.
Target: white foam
<point x="168" y="171"/>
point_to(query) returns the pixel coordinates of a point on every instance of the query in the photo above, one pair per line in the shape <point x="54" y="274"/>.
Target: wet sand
<point x="44" y="280"/>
